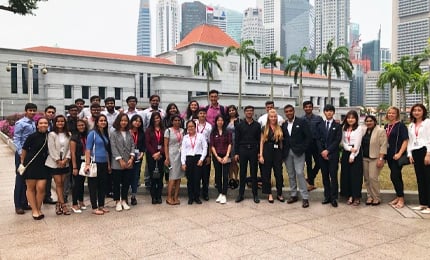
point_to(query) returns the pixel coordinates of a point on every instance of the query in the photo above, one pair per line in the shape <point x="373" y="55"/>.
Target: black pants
<point x="97" y="186"/>
<point x="351" y="176"/>
<point x="78" y="188"/>
<point x="221" y="175"/>
<point x="248" y="155"/>
<point x="109" y="184"/>
<point x="121" y="183"/>
<point x="272" y="160"/>
<point x="156" y="183"/>
<point x="329" y="170"/>
<point x="19" y="193"/>
<point x="396" y="177"/>
<point x="312" y="172"/>
<point x="422" y="172"/>
<point x="193" y="174"/>
<point x="206" y="174"/>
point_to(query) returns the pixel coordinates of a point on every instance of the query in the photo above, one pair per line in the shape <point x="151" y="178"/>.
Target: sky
<point x="111" y="25"/>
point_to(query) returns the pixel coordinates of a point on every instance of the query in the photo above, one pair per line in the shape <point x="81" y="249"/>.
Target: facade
<point x="356" y="90"/>
<point x="219" y="18"/>
<point x="193" y="14"/>
<point x="234" y="24"/>
<point x="385" y="57"/>
<point x="167" y="25"/>
<point x="354" y="34"/>
<point x="374" y="95"/>
<point x="253" y="28"/>
<point x="372" y="51"/>
<point x="144" y="29"/>
<point x="331" y="22"/>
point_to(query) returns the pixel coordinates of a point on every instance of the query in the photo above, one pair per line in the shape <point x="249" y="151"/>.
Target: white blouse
<point x="419" y="136"/>
<point x="193" y="146"/>
<point x="352" y="139"/>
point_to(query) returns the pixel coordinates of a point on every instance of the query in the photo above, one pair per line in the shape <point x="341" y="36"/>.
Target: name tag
<point x="136" y="151"/>
<point x="159" y="147"/>
<point x="275" y="146"/>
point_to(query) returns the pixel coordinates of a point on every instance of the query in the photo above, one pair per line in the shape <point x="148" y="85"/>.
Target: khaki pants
<point x="371" y="178"/>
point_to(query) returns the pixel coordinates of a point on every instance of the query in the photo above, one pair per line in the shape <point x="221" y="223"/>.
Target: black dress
<point x="37" y="169"/>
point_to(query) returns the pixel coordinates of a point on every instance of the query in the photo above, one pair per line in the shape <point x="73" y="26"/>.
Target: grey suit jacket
<point x="121" y="148"/>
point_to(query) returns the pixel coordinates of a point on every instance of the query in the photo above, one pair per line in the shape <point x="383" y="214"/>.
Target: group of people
<point x="67" y="148"/>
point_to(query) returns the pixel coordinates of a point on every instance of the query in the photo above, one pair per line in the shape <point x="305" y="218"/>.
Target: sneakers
<point x="223" y="199"/>
<point x="425" y="211"/>
<point x="125" y="205"/>
<point x="118" y="206"/>
<point x="218" y="200"/>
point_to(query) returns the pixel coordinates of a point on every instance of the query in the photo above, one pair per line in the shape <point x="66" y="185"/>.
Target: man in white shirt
<point x="131" y="103"/>
<point x="263" y="119"/>
<point x="86" y="111"/>
<point x="154" y="101"/>
<point x="110" y="112"/>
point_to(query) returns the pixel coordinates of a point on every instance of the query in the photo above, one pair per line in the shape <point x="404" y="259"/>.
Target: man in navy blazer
<point x="329" y="135"/>
<point x="297" y="137"/>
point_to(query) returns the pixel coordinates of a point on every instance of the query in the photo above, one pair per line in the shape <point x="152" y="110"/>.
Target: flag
<point x="209" y="10"/>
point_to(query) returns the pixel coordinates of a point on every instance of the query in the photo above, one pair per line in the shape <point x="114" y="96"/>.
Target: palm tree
<point x="395" y="76"/>
<point x="245" y="51"/>
<point x="337" y="60"/>
<point x="298" y="63"/>
<point x="419" y="84"/>
<point x="272" y="59"/>
<point x="207" y="60"/>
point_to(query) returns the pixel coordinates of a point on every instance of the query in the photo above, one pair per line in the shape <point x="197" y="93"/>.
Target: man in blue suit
<point x="329" y="135"/>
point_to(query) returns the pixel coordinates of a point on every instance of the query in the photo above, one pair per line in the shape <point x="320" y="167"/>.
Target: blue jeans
<point x="134" y="177"/>
<point x="19" y="196"/>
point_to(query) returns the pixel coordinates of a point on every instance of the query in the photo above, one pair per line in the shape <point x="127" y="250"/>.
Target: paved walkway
<point x="212" y="231"/>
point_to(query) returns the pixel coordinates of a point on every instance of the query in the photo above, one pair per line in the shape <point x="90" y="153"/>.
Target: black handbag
<point x="156" y="174"/>
<point x="403" y="160"/>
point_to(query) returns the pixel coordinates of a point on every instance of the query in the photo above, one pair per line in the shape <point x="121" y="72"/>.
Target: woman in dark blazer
<point x="136" y="131"/>
<point x="154" y="142"/>
<point x="122" y="160"/>
<point x="77" y="154"/>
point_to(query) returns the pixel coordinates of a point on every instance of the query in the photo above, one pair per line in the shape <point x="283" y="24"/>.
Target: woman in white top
<point x="351" y="174"/>
<point x="419" y="154"/>
<point x="193" y="152"/>
<point x="58" y="159"/>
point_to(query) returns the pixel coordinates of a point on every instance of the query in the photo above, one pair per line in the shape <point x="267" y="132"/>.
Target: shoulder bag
<point x="92" y="172"/>
<point x="403" y="160"/>
<point x="21" y="168"/>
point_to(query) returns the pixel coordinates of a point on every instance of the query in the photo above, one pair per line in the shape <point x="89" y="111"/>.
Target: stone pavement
<point x="212" y="231"/>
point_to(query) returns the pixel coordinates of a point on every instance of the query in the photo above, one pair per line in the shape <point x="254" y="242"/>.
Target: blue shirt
<point x="23" y="128"/>
<point x="101" y="154"/>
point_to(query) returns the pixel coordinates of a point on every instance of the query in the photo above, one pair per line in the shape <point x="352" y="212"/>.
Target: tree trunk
<point x="271" y="83"/>
<point x="404" y="98"/>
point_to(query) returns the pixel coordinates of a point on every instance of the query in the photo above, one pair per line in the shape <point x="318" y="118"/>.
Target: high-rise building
<point x="385" y="56"/>
<point x="234" y="24"/>
<point x="410" y="32"/>
<point x="167" y="25"/>
<point x="144" y="29"/>
<point x="372" y="51"/>
<point x="253" y="28"/>
<point x="375" y="96"/>
<point x="193" y="15"/>
<point x="286" y="26"/>
<point x="219" y="18"/>
<point x="331" y="23"/>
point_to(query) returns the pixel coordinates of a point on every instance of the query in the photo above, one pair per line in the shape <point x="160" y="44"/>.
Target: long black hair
<point x="350" y="113"/>
<point x="215" y="127"/>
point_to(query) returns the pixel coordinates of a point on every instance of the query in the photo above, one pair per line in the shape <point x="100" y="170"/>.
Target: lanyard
<point x="84" y="143"/>
<point x="135" y="136"/>
<point x="191" y="141"/>
<point x="158" y="135"/>
<point x="202" y="129"/>
<point x="178" y="135"/>
<point x="390" y="128"/>
<point x="348" y="135"/>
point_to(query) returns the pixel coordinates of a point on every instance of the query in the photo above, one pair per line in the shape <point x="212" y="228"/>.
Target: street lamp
<point x="30" y="66"/>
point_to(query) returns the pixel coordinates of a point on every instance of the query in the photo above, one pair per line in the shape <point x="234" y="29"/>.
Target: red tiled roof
<point x="209" y="34"/>
<point x="281" y="72"/>
<point x="95" y="54"/>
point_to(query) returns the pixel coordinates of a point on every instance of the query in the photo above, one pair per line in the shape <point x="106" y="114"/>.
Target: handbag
<point x="92" y="172"/>
<point x="156" y="174"/>
<point x="403" y="160"/>
<point x="21" y="168"/>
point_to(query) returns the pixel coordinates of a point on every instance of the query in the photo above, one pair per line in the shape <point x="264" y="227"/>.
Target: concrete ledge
<point x="8" y="141"/>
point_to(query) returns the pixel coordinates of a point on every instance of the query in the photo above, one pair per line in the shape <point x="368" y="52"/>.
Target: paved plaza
<point x="213" y="231"/>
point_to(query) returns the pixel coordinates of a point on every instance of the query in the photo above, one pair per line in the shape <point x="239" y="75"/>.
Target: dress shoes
<point x="198" y="201"/>
<point x="206" y="197"/>
<point x="133" y="201"/>
<point x="154" y="201"/>
<point x="159" y="201"/>
<point x="292" y="199"/>
<point x="325" y="201"/>
<point x="256" y="199"/>
<point x="19" y="211"/>
<point x="49" y="201"/>
<point x="190" y="201"/>
<point x="305" y="203"/>
<point x="239" y="199"/>
<point x="334" y="203"/>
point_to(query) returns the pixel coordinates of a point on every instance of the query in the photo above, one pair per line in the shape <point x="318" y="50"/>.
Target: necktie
<point x="328" y="125"/>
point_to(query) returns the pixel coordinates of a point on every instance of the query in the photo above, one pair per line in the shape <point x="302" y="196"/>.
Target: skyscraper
<point x="144" y="29"/>
<point x="167" y="25"/>
<point x="234" y="24"/>
<point x="252" y="27"/>
<point x="371" y="51"/>
<point x="331" y="22"/>
<point x="193" y="15"/>
<point x="385" y="56"/>
<point x="219" y="18"/>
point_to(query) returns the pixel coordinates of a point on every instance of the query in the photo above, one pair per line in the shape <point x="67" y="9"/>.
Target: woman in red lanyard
<point x="154" y="143"/>
<point x="351" y="174"/>
<point x="419" y="154"/>
<point x="397" y="135"/>
<point x="78" y="143"/>
<point x="136" y="130"/>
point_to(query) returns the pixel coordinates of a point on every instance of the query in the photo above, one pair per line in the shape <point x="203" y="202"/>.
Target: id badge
<point x="136" y="151"/>
<point x="82" y="157"/>
<point x="159" y="147"/>
<point x="275" y="146"/>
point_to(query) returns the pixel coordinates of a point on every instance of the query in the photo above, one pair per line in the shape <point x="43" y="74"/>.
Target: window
<point x="13" y="78"/>
<point x="24" y="79"/>
<point x="36" y="79"/>
<point x="85" y="92"/>
<point x="148" y="84"/>
<point x="67" y="91"/>
<point x="141" y="85"/>
<point x="117" y="93"/>
<point x="102" y="92"/>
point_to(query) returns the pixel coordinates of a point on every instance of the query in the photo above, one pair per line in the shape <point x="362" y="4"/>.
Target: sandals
<point x="349" y="201"/>
<point x="394" y="202"/>
<point x="66" y="210"/>
<point x="58" y="209"/>
<point x="356" y="203"/>
<point x="400" y="204"/>
<point x="98" y="212"/>
<point x="105" y="210"/>
<point x="369" y="201"/>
